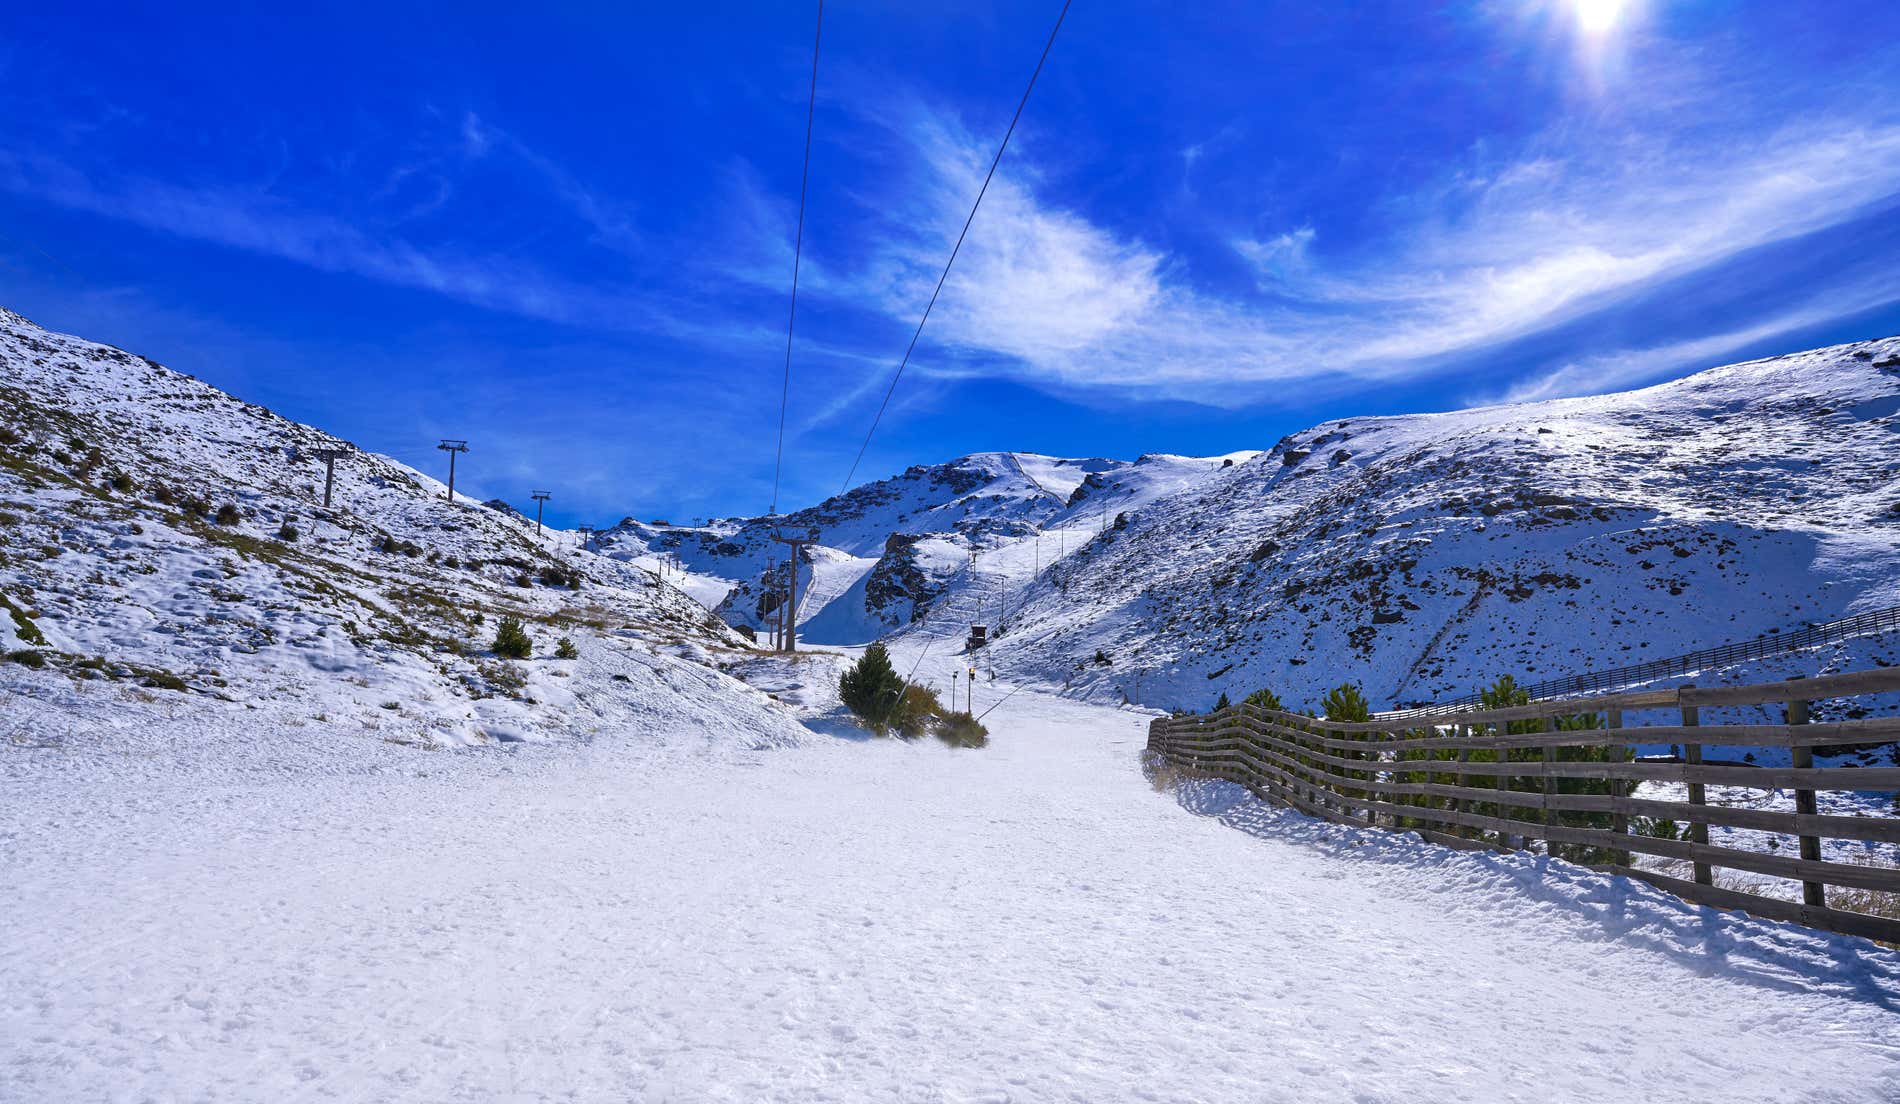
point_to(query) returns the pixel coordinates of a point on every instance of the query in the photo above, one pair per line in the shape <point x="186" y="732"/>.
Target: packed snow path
<point x="850" y="921"/>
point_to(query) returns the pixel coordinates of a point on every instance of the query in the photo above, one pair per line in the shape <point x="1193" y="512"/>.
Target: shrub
<point x="27" y="657"/>
<point x="512" y="640"/>
<point x="227" y="514"/>
<point x="918" y="711"/>
<point x="23" y="626"/>
<point x="164" y="495"/>
<point x="451" y="563"/>
<point x="872" y="690"/>
<point x="565" y="649"/>
<point x="504" y="678"/>
<point x="1659" y="828"/>
<point x="164" y="680"/>
<point x="8" y="521"/>
<point x="1101" y="659"/>
<point x="121" y="482"/>
<point x="1345" y="702"/>
<point x="1265" y="699"/>
<point x="288" y="533"/>
<point x="960" y="730"/>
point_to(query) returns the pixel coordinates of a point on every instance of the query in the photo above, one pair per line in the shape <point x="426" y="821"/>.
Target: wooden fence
<point x="1562" y="772"/>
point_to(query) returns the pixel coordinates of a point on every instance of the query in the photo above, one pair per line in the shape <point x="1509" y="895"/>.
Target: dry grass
<point x="1870" y="902"/>
<point x="1873" y="902"/>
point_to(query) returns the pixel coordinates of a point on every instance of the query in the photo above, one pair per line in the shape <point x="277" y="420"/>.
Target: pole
<point x="1802" y="756"/>
<point x="540" y="500"/>
<point x="329" y="457"/>
<point x="791" y="599"/>
<point x="452" y="447"/>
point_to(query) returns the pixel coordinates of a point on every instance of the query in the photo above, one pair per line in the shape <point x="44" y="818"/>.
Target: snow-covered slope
<point x="1426" y="555"/>
<point x="888" y="552"/>
<point x="162" y="540"/>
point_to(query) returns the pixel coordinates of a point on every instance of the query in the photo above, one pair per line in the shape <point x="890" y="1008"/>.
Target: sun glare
<point x="1598" y="17"/>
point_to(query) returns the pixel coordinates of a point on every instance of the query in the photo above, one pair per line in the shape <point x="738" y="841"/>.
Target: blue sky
<point x="564" y="233"/>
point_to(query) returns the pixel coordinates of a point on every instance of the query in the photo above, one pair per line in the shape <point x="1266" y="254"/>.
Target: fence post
<point x="1692" y="756"/>
<point x="1380" y="751"/>
<point x="1504" y="784"/>
<point x="1550" y="785"/>
<point x="1619" y="788"/>
<point x="1812" y="893"/>
<point x="1463" y="805"/>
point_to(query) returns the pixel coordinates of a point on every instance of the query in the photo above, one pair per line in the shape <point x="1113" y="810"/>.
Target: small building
<point x="979" y="636"/>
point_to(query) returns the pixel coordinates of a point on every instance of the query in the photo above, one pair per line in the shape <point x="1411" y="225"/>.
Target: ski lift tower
<point x="789" y="609"/>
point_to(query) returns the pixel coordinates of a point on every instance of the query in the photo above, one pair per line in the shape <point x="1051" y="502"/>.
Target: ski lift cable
<point x="1006" y="697"/>
<point x="798" y="252"/>
<point x="902" y="364"/>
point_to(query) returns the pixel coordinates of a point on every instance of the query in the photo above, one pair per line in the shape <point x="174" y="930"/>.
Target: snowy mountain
<point x="163" y="541"/>
<point x="1424" y="556"/>
<point x="886" y="554"/>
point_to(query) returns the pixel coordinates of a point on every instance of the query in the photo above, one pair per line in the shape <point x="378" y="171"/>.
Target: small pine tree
<point x="1265" y="699"/>
<point x="512" y="640"/>
<point x="1223" y="703"/>
<point x="565" y="649"/>
<point x="871" y="689"/>
<point x="1346" y="702"/>
<point x="1504" y="693"/>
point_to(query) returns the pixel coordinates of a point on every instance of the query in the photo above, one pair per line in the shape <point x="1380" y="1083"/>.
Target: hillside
<point x="1426" y="555"/>
<point x="888" y="553"/>
<point x="165" y="542"/>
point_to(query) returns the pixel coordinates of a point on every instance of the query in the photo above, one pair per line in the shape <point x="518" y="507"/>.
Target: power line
<point x="798" y="250"/>
<point x="958" y="246"/>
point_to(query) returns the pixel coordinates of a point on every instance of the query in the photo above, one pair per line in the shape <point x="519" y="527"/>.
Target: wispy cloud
<point x="1593" y="213"/>
<point x="258" y="222"/>
<point x="1626" y="367"/>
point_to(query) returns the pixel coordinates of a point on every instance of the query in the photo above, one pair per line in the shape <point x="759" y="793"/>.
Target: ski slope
<point x="677" y="918"/>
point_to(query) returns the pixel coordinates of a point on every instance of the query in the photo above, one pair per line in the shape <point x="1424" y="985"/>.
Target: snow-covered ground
<point x="213" y="912"/>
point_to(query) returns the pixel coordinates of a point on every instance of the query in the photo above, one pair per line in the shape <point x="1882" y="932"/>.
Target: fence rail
<point x="1741" y="651"/>
<point x="1562" y="772"/>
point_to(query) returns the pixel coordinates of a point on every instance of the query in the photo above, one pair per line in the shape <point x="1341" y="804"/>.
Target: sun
<point x="1598" y="17"/>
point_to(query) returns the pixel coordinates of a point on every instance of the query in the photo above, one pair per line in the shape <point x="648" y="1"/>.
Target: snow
<point x="1424" y="556"/>
<point x="215" y="912"/>
<point x="376" y="613"/>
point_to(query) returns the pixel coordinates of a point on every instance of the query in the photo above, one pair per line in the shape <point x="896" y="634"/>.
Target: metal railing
<point x="1620" y="678"/>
